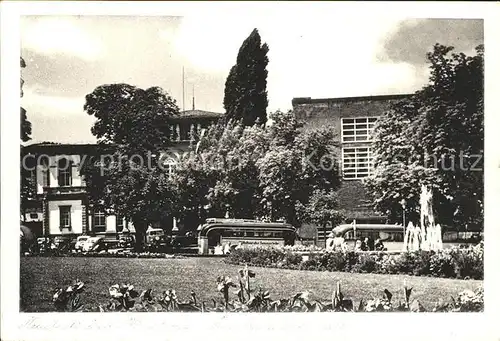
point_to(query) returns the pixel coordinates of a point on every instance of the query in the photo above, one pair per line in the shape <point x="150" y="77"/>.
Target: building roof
<point x="53" y="148"/>
<point x="309" y="100"/>
<point x="200" y="113"/>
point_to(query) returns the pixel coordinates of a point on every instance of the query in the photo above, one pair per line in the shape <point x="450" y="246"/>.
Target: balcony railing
<point x="64" y="190"/>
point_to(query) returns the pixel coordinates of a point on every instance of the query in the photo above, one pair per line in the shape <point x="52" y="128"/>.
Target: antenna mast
<point x="183" y="99"/>
<point x="193" y="98"/>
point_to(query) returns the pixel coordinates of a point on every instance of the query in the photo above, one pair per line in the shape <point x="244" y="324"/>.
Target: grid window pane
<point x="358" y="129"/>
<point x="357" y="163"/>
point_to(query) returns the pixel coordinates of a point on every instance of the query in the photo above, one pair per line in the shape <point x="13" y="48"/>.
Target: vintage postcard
<point x="265" y="167"/>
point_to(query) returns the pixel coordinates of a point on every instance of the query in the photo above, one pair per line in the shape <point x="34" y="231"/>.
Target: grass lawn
<point x="40" y="275"/>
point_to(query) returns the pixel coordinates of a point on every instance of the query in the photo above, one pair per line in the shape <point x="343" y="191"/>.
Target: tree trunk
<point x="140" y="234"/>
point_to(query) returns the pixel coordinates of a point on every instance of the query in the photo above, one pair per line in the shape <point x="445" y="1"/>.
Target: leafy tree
<point x="245" y="94"/>
<point x="296" y="164"/>
<point x="25" y="124"/>
<point x="27" y="180"/>
<point x="322" y="209"/>
<point x="256" y="171"/>
<point x="131" y="128"/>
<point x="435" y="138"/>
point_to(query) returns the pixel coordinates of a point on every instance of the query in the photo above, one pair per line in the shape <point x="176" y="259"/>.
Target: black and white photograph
<point x="249" y="161"/>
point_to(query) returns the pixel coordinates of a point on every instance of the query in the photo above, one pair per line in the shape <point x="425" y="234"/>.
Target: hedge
<point x="462" y="263"/>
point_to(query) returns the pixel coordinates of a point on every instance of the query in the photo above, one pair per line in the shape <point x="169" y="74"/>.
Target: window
<point x="65" y="217"/>
<point x="64" y="167"/>
<point x="170" y="165"/>
<point x="357" y="162"/>
<point x="184" y="132"/>
<point x="357" y="129"/>
<point x="177" y="132"/>
<point x="99" y="220"/>
<point x="44" y="171"/>
<point x="119" y="223"/>
<point x="45" y="177"/>
<point x="192" y="132"/>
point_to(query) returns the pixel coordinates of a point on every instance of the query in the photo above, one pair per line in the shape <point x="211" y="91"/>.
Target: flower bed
<point x="110" y="254"/>
<point x="247" y="298"/>
<point x="463" y="263"/>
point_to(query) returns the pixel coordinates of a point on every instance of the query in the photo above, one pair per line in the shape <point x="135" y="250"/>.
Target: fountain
<point x="427" y="236"/>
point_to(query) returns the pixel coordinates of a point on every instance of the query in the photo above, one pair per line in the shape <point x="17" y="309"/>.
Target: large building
<point x="60" y="204"/>
<point x="353" y="118"/>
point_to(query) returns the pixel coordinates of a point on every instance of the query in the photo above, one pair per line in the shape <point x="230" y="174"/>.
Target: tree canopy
<point x="27" y="180"/>
<point x="435" y="137"/>
<point x="126" y="176"/>
<point x="25" y="124"/>
<point x="258" y="172"/>
<point x="245" y="94"/>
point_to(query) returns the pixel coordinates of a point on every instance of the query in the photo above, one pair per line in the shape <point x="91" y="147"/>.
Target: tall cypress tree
<point x="245" y="95"/>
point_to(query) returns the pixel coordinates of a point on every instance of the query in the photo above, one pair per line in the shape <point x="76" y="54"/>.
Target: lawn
<point x="40" y="275"/>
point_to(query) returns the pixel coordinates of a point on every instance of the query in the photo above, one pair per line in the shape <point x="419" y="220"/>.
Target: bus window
<point x="249" y="234"/>
<point x="278" y="234"/>
<point x="265" y="234"/>
<point x="391" y="236"/>
<point x="238" y="233"/>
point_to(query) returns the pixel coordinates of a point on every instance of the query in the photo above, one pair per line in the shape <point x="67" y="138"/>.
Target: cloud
<point x="412" y="39"/>
<point x="47" y="105"/>
<point x="310" y="53"/>
<point x="59" y="35"/>
<point x="57" y="118"/>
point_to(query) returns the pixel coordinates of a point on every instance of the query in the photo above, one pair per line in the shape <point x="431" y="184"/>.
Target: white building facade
<point x="61" y="189"/>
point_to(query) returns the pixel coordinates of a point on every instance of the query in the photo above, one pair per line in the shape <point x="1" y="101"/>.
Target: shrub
<point x="469" y="263"/>
<point x="442" y="265"/>
<point x="366" y="263"/>
<point x="388" y="264"/>
<point x="351" y="260"/>
<point x="291" y="260"/>
<point x="421" y="263"/>
<point x="337" y="261"/>
<point x="310" y="264"/>
<point x="470" y="301"/>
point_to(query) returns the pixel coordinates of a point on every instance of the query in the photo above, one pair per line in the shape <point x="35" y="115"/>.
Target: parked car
<point x="92" y="244"/>
<point x="80" y="241"/>
<point x="156" y="240"/>
<point x="154" y="235"/>
<point x="186" y="240"/>
<point x="64" y="243"/>
<point x="126" y="240"/>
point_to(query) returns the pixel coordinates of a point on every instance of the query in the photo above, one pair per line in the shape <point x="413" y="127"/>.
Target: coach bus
<point x="392" y="236"/>
<point x="242" y="233"/>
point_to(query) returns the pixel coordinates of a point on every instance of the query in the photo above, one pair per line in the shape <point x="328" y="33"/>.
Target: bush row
<point x="106" y="254"/>
<point x="460" y="263"/>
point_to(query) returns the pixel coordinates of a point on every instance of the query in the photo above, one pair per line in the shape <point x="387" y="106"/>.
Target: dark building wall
<point x="328" y="112"/>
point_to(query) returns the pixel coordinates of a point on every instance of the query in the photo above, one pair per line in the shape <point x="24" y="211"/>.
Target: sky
<point x="320" y="56"/>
